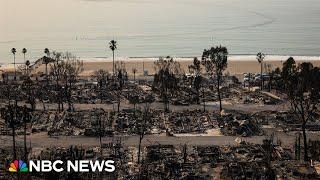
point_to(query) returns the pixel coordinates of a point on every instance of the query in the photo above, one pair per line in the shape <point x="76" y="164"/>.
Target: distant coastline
<point x="232" y="57"/>
<point x="237" y="65"/>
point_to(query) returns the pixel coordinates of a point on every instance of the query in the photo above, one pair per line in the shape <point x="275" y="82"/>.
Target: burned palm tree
<point x="24" y="51"/>
<point x="27" y="67"/>
<point x="46" y="60"/>
<point x="13" y="51"/>
<point x="113" y="47"/>
<point x="47" y="52"/>
<point x="260" y="58"/>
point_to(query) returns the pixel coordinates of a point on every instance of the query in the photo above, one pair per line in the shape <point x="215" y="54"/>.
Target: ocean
<point x="152" y="28"/>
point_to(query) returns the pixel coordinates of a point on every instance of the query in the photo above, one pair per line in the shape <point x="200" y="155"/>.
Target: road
<point x="41" y="140"/>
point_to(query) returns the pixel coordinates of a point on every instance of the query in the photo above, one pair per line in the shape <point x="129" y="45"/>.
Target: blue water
<point x="158" y="28"/>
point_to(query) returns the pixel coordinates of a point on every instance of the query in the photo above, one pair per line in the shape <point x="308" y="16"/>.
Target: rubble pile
<point x="257" y="97"/>
<point x="314" y="147"/>
<point x="130" y="122"/>
<point x="93" y="123"/>
<point x="288" y="121"/>
<point x="169" y="162"/>
<point x="141" y="93"/>
<point x="195" y="121"/>
<point x="66" y="123"/>
<point x="239" y="124"/>
<point x="3" y="128"/>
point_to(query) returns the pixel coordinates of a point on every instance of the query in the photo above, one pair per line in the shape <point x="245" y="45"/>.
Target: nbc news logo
<point x="19" y="166"/>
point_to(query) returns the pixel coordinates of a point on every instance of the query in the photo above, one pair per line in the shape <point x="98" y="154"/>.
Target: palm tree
<point x="113" y="47"/>
<point x="46" y="60"/>
<point x="260" y="58"/>
<point x="13" y="50"/>
<point x="24" y="51"/>
<point x="47" y="52"/>
<point x="27" y="67"/>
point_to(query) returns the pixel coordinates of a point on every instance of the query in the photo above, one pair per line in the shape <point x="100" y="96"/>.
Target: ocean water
<point x="151" y="28"/>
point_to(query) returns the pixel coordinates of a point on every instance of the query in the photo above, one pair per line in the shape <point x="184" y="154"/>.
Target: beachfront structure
<point x="10" y="76"/>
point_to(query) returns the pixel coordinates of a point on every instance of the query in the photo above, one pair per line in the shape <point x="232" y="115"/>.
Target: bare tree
<point x="196" y="68"/>
<point x="133" y="99"/>
<point x="65" y="72"/>
<point x="143" y="129"/>
<point x="26" y="118"/>
<point x="102" y="78"/>
<point x="166" y="78"/>
<point x="119" y="80"/>
<point x="215" y="62"/>
<point x="303" y="91"/>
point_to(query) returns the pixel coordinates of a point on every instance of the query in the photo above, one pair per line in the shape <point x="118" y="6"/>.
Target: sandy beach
<point x="236" y="65"/>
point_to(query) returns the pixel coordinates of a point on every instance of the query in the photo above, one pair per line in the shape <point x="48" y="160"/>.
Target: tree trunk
<point x="139" y="151"/>
<point x="219" y="95"/>
<point x="14" y="142"/>
<point x="100" y="135"/>
<point x="43" y="105"/>
<point x="46" y="71"/>
<point x="25" y="140"/>
<point x="165" y="101"/>
<point x="261" y="75"/>
<point x="119" y="101"/>
<point x="134" y="77"/>
<point x="306" y="158"/>
<point x="14" y="63"/>
<point x="113" y="62"/>
<point x="204" y="101"/>
<point x="164" y="106"/>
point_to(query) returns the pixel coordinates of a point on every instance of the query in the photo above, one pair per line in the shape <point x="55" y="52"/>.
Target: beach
<point x="234" y="66"/>
<point x="237" y="65"/>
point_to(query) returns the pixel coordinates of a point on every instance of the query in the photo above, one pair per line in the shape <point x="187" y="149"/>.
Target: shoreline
<point x="237" y="65"/>
<point x="231" y="57"/>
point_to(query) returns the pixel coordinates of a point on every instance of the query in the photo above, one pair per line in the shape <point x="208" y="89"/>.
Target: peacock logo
<point x="18" y="166"/>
